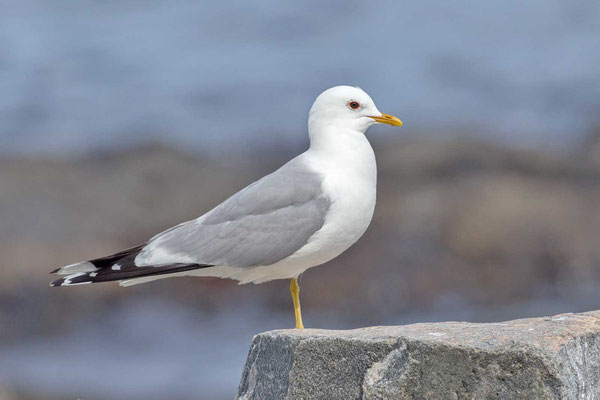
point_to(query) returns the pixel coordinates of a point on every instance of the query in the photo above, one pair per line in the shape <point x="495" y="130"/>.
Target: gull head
<point x="347" y="107"/>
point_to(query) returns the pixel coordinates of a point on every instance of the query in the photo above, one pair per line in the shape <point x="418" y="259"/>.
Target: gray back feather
<point x="264" y="223"/>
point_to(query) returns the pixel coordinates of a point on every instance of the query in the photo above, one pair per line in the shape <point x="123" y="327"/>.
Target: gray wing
<point x="260" y="225"/>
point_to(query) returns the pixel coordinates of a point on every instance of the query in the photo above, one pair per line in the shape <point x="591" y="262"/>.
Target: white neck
<point x="334" y="136"/>
<point x="344" y="149"/>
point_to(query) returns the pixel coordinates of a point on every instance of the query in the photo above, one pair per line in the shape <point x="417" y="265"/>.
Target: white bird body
<point x="349" y="181"/>
<point x="349" y="173"/>
<point x="304" y="214"/>
<point x="351" y="190"/>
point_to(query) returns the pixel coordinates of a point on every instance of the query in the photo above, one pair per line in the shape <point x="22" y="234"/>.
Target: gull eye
<point x="354" y="105"/>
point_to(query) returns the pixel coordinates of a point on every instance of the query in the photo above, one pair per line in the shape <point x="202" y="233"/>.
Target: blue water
<point x="82" y="75"/>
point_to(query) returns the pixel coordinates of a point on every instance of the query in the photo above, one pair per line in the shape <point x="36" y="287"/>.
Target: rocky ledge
<point x="551" y="357"/>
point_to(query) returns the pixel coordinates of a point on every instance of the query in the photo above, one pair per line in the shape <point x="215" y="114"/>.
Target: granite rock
<point x="552" y="358"/>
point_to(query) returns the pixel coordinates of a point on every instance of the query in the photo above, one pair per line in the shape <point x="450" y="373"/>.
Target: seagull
<point x="304" y="214"/>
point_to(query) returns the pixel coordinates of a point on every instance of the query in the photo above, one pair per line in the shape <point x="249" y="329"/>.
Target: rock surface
<point x="552" y="358"/>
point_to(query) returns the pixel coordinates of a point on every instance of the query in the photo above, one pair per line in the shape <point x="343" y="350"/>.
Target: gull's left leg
<point x="295" y="289"/>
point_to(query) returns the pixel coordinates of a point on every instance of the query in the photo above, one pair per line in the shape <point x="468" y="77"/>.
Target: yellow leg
<point x="295" y="289"/>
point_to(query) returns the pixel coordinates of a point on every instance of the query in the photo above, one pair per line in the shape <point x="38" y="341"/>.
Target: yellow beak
<point x="388" y="119"/>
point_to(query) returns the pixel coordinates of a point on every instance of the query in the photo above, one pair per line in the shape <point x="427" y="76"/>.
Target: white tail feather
<point x="144" y="279"/>
<point x="137" y="281"/>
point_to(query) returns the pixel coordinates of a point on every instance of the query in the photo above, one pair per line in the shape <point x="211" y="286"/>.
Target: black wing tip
<point x="107" y="275"/>
<point x="55" y="271"/>
<point x="57" y="282"/>
<point x="72" y="280"/>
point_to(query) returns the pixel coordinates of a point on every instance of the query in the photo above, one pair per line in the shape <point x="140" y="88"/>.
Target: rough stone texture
<point x="544" y="358"/>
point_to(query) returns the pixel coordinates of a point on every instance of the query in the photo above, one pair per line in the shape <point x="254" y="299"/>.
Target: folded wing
<point x="260" y="225"/>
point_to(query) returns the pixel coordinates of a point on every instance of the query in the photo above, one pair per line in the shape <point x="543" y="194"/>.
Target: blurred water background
<point x="119" y="119"/>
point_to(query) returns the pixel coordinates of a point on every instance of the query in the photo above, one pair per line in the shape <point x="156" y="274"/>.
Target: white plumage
<point x="302" y="215"/>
